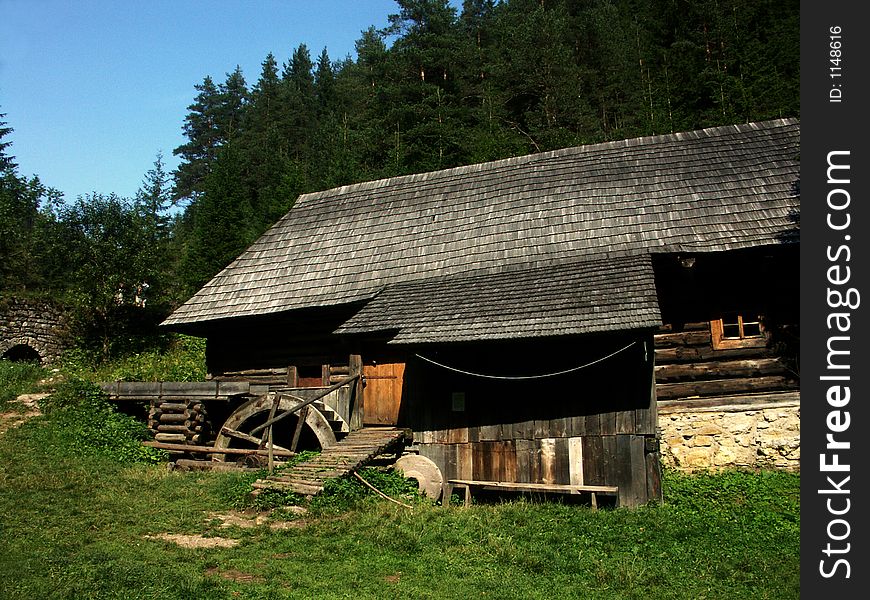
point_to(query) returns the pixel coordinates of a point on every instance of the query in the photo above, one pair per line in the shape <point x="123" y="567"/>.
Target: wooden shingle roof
<point x="565" y="299"/>
<point x="715" y="189"/>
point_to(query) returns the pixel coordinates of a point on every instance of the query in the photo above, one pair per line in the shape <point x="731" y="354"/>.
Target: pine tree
<point x="427" y="113"/>
<point x="324" y="84"/>
<point x="222" y="221"/>
<point x="6" y="162"/>
<point x="214" y="119"/>
<point x="300" y="103"/>
<point x="202" y="130"/>
<point x="233" y="101"/>
<point x="25" y="205"/>
<point x="264" y="147"/>
<point x="153" y="200"/>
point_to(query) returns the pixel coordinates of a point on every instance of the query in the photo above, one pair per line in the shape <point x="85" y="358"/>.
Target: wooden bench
<point x="468" y="485"/>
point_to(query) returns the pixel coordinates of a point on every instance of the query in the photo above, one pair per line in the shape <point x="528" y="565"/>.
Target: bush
<point x="181" y="359"/>
<point x="90" y="425"/>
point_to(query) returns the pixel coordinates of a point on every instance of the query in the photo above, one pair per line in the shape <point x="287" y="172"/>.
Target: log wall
<point x="688" y="368"/>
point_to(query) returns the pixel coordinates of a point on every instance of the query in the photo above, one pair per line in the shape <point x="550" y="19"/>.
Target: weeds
<point x="87" y="424"/>
<point x="18" y="378"/>
<point x="338" y="495"/>
<point x="181" y="359"/>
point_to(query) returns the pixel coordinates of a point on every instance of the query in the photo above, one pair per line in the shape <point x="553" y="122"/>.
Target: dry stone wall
<point x="718" y="437"/>
<point x="31" y="328"/>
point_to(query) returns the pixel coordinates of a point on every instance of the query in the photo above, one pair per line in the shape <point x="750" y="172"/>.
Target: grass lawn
<point x="80" y="519"/>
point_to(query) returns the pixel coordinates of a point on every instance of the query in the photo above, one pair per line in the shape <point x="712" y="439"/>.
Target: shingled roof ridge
<point x="625" y="257"/>
<point x="651" y="140"/>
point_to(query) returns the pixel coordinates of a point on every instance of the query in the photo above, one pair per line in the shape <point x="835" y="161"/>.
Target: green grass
<point x="18" y="378"/>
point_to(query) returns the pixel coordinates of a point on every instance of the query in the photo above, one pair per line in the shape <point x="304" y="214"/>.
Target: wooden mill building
<point x="508" y="312"/>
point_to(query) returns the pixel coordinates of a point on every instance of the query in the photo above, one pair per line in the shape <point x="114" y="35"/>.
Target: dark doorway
<point x="22" y="353"/>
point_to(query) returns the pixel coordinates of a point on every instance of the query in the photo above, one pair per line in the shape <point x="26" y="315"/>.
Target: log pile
<point x="179" y="421"/>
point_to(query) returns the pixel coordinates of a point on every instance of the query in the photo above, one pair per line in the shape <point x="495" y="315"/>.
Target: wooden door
<point x="382" y="396"/>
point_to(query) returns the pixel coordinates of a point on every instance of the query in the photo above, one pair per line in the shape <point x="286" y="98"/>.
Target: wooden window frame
<point x="720" y="342"/>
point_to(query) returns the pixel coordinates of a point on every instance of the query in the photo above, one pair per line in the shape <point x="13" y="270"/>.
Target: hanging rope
<point x="521" y="377"/>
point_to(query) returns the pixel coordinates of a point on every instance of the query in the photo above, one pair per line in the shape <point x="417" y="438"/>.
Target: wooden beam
<point x="276" y="401"/>
<point x="719" y="370"/>
<point x="746" y="402"/>
<point x="303" y="414"/>
<point x="683" y="338"/>
<point x="248" y="438"/>
<point x="212" y="450"/>
<point x="537" y="487"/>
<point x="355" y="369"/>
<point x="298" y="407"/>
<point x="207" y="465"/>
<point x="720" y="387"/>
<point x="704" y="353"/>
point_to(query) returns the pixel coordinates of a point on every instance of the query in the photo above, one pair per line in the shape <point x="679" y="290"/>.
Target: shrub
<point x="89" y="424"/>
<point x="181" y="359"/>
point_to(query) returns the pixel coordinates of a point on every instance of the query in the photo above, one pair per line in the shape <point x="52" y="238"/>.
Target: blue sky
<point x="95" y="88"/>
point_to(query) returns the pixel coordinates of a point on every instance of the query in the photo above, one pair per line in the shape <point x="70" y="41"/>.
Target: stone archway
<point x="31" y="330"/>
<point x="21" y="352"/>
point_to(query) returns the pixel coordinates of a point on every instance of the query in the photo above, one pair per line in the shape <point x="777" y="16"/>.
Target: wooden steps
<point x="355" y="450"/>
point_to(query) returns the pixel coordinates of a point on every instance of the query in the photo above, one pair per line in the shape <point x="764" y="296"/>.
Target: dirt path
<point x="29" y="408"/>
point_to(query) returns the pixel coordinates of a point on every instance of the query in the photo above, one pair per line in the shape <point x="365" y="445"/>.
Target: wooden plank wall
<point x="687" y="367"/>
<point x="622" y="460"/>
<point x="595" y="427"/>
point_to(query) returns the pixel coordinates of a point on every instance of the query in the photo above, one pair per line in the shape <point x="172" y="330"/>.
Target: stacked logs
<point x="179" y="421"/>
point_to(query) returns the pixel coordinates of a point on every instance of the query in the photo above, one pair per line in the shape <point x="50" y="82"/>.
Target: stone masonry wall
<point x="36" y="324"/>
<point x="757" y="437"/>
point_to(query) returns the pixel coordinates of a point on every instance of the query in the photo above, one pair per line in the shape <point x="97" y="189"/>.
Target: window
<point x="737" y="330"/>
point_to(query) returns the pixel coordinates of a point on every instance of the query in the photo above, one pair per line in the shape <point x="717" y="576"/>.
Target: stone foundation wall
<point x="35" y="324"/>
<point x="757" y="437"/>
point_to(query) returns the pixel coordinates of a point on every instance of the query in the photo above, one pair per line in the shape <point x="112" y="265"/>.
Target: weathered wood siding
<point x="595" y="427"/>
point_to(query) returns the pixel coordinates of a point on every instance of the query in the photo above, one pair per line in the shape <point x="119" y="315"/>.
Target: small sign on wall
<point x="457" y="401"/>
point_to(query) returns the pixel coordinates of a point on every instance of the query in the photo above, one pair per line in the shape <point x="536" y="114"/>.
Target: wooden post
<point x="267" y="435"/>
<point x="271" y="452"/>
<point x="355" y="365"/>
<point x="303" y="414"/>
<point x="292" y="376"/>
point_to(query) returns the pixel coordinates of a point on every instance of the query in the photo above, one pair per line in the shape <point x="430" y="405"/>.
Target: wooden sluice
<point x="357" y="449"/>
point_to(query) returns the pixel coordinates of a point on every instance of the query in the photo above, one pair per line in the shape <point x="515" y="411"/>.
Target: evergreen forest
<point x="437" y="88"/>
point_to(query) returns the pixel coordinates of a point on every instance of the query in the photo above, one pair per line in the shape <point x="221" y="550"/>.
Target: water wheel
<point x="312" y="432"/>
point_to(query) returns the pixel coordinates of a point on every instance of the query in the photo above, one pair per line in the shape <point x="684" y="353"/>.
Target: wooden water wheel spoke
<point x="248" y="438"/>
<point x="276" y="401"/>
<point x="239" y="429"/>
<point x="303" y="414"/>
